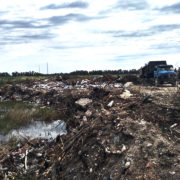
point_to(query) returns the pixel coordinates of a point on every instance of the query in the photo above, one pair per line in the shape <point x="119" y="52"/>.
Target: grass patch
<point x="18" y="79"/>
<point x="14" y="115"/>
<point x="45" y="114"/>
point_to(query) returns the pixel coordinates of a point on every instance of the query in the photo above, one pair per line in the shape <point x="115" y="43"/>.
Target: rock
<point x="83" y="102"/>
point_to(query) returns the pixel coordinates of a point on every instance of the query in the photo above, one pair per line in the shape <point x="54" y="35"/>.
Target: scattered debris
<point x="107" y="131"/>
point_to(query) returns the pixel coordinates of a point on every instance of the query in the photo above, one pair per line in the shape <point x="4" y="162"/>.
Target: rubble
<point x="112" y="133"/>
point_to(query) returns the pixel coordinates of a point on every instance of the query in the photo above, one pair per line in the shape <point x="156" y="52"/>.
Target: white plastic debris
<point x="123" y="148"/>
<point x="83" y="101"/>
<point x="128" y="84"/>
<point x="174" y="125"/>
<point x="118" y="85"/>
<point x="110" y="104"/>
<point x="25" y="161"/>
<point x="172" y="172"/>
<point x="90" y="170"/>
<point x="126" y="94"/>
<point x="149" y="145"/>
<point x="127" y="164"/>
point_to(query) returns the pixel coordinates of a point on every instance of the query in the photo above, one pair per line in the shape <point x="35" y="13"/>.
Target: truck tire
<point x="156" y="82"/>
<point x="174" y="84"/>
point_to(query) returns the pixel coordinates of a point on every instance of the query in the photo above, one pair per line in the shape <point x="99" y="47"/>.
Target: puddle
<point x="38" y="130"/>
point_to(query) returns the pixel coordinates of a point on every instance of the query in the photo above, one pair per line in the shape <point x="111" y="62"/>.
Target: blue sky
<point x="87" y="35"/>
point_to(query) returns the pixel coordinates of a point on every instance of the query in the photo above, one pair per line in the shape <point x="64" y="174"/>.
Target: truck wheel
<point x="174" y="84"/>
<point x="156" y="82"/>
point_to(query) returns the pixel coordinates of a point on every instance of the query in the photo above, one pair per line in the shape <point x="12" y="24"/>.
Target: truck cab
<point x="164" y="74"/>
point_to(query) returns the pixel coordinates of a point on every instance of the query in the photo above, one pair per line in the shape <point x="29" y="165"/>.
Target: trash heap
<point x="47" y="91"/>
<point x="112" y="133"/>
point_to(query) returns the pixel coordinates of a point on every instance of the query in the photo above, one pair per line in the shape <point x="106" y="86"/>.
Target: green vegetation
<point x="18" y="79"/>
<point x="14" y="115"/>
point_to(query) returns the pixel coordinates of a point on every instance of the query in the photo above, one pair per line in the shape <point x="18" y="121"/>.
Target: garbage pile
<point x="46" y="91"/>
<point x="112" y="133"/>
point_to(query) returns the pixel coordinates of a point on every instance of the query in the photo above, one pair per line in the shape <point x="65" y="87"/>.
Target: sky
<point x="88" y="34"/>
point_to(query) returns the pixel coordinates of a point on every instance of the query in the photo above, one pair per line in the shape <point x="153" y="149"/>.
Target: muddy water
<point x="38" y="130"/>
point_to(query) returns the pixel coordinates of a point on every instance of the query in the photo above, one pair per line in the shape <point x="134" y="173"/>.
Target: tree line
<point x="15" y="74"/>
<point x="101" y="72"/>
<point x="79" y="72"/>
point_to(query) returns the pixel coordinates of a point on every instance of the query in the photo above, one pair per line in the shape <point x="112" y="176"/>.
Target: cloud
<point x="37" y="36"/>
<point x="164" y="46"/>
<point x="37" y="24"/>
<point x="58" y="20"/>
<point x="33" y="30"/>
<point x="165" y="27"/>
<point x="76" y="4"/>
<point x="132" y="4"/>
<point x="3" y="12"/>
<point x="8" y="24"/>
<point x="130" y="34"/>
<point x="153" y="30"/>
<point x="77" y="46"/>
<point x="25" y="38"/>
<point x="127" y="5"/>
<point x="175" y="8"/>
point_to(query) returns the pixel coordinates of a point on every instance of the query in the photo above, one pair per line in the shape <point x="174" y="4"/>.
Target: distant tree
<point x="4" y="74"/>
<point x="30" y="73"/>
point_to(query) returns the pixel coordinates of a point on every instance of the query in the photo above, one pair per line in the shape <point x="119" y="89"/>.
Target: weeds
<point x="45" y="114"/>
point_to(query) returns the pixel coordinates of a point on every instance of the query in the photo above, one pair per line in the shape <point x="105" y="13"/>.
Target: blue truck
<point x="159" y="72"/>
